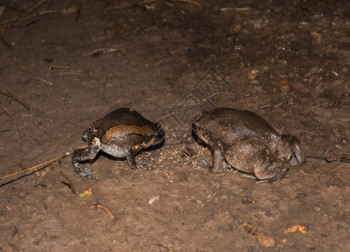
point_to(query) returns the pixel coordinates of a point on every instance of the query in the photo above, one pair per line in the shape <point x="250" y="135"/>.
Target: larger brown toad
<point x="248" y="143"/>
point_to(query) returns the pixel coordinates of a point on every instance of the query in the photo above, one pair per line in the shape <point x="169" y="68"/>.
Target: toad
<point x="123" y="133"/>
<point x="248" y="143"/>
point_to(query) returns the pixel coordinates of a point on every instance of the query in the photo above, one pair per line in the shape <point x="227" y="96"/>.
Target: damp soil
<point x="72" y="62"/>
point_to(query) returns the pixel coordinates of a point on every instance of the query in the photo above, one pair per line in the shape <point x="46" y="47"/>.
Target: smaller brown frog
<point x="248" y="143"/>
<point x="123" y="133"/>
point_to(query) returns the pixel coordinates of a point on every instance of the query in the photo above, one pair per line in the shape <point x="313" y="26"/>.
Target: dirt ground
<point x="74" y="61"/>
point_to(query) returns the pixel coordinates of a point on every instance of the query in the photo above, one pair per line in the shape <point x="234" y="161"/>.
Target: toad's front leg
<point x="83" y="154"/>
<point x="217" y="151"/>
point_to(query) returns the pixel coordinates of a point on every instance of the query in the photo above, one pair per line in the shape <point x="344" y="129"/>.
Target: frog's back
<point x="121" y="118"/>
<point x="241" y="122"/>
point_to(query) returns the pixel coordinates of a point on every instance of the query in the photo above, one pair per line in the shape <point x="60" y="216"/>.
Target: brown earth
<point x="74" y="61"/>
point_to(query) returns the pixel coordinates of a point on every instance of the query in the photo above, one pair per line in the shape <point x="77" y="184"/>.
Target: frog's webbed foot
<point x="83" y="172"/>
<point x="83" y="154"/>
<point x="273" y="171"/>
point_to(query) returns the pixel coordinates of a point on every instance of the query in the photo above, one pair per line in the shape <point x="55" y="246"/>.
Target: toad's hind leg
<point x="273" y="171"/>
<point x="131" y="155"/>
<point x="83" y="154"/>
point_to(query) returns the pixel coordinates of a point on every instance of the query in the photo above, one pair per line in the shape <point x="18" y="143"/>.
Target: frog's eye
<point x="156" y="127"/>
<point x="160" y="134"/>
<point x="157" y="138"/>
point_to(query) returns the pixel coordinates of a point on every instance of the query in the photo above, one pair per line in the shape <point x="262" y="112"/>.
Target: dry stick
<point x="80" y="7"/>
<point x="45" y="81"/>
<point x="36" y="6"/>
<point x="12" y="118"/>
<point x="166" y="247"/>
<point x="19" y="174"/>
<point x="55" y="145"/>
<point x="142" y="3"/>
<point x="51" y="67"/>
<point x="4" y="40"/>
<point x="68" y="183"/>
<point x="329" y="172"/>
<point x="340" y="160"/>
<point x="116" y="8"/>
<point x="66" y="4"/>
<point x="100" y="51"/>
<point x="111" y="216"/>
<point x="18" y="20"/>
<point x="188" y="1"/>
<point x="8" y="21"/>
<point x="12" y="96"/>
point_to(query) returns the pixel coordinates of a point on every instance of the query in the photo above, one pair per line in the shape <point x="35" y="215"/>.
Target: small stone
<point x="284" y="86"/>
<point x="316" y="36"/>
<point x="252" y="74"/>
<point x="265" y="241"/>
<point x="247" y="200"/>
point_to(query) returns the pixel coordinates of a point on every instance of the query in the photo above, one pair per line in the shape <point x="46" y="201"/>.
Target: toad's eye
<point x="87" y="134"/>
<point x="159" y="134"/>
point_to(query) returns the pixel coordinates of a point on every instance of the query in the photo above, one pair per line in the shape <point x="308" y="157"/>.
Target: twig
<point x="12" y="118"/>
<point x="340" y="160"/>
<point x="166" y="247"/>
<point x="66" y="4"/>
<point x="36" y="6"/>
<point x="55" y="145"/>
<point x="189" y="2"/>
<point x="20" y="20"/>
<point x="140" y="4"/>
<point x="100" y="51"/>
<point x="266" y="106"/>
<point x="329" y="172"/>
<point x="77" y="16"/>
<point x="4" y="40"/>
<point x="68" y="183"/>
<point x="52" y="67"/>
<point x="242" y="9"/>
<point x="19" y="174"/>
<point x="11" y="20"/>
<point x="12" y="96"/>
<point x="143" y="3"/>
<point x="45" y="81"/>
<point x="111" y="216"/>
<point x="276" y="106"/>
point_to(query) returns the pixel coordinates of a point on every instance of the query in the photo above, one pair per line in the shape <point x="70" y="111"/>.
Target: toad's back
<point x="123" y="120"/>
<point x="233" y="123"/>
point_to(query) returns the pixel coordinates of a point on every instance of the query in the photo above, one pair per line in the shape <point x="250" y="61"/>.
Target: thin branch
<point x="110" y="214"/>
<point x="12" y="96"/>
<point x="19" y="174"/>
<point x="11" y="116"/>
<point x="68" y="183"/>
